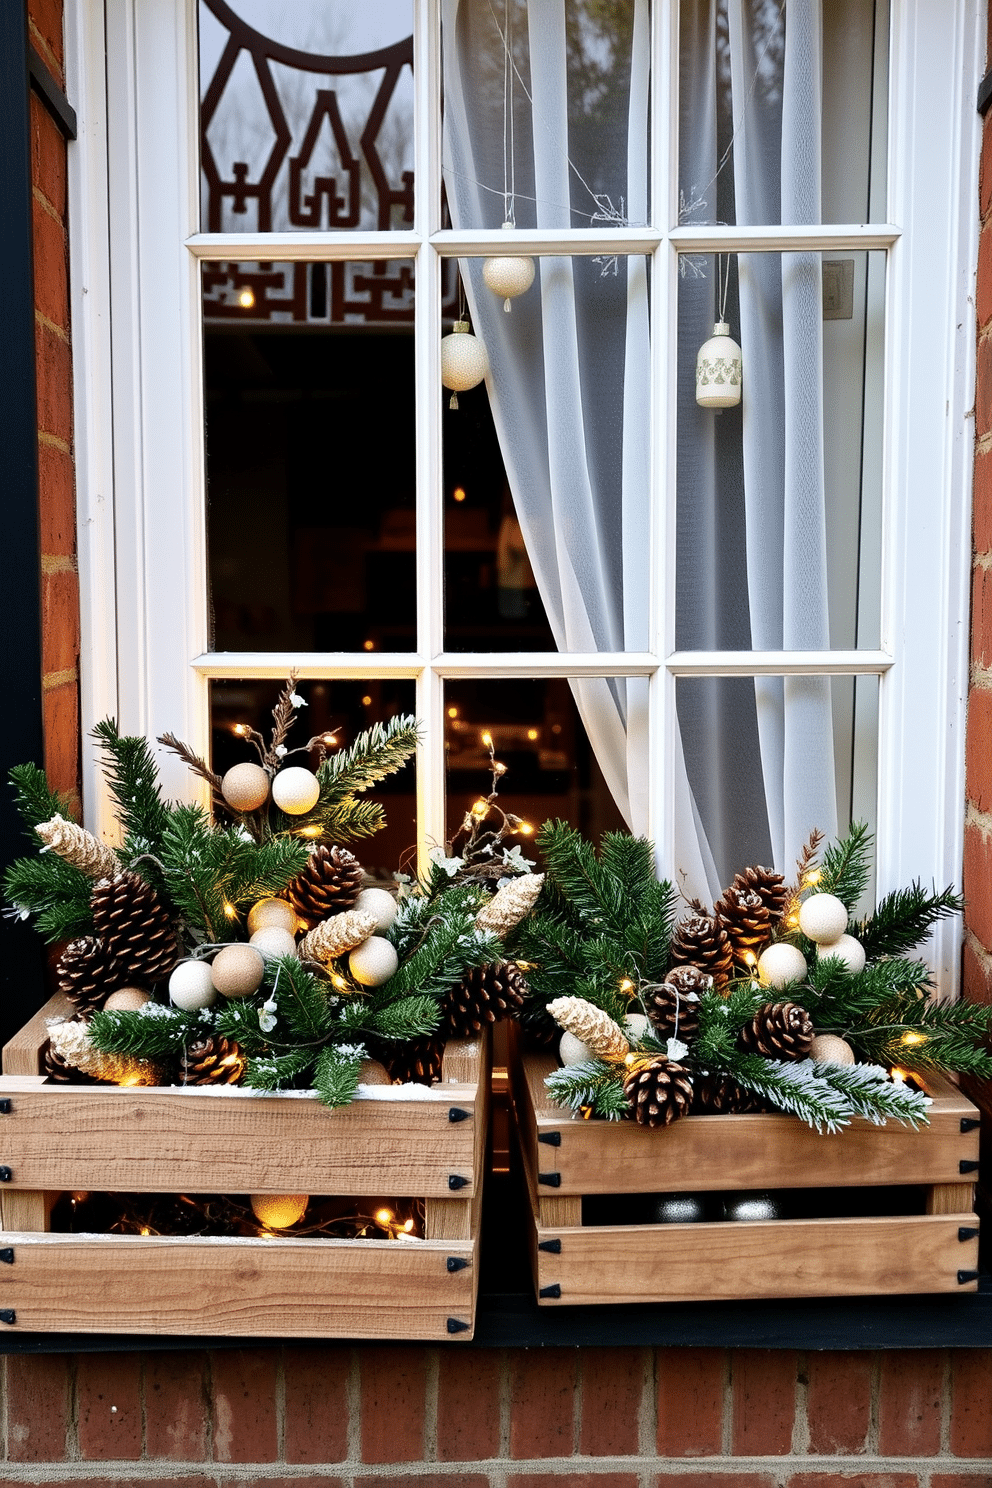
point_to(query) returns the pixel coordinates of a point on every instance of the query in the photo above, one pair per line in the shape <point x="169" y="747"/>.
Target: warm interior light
<point x="452" y="712"/>
<point x="384" y="1217"/>
<point x="246" y="298"/>
<point x="369" y="645"/>
<point x="366" y="701"/>
<point x="458" y="494"/>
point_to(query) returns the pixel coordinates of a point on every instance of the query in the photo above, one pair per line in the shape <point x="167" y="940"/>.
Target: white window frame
<point x="136" y="255"/>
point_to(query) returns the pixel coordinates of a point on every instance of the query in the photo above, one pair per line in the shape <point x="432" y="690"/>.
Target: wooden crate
<point x="56" y="1138"/>
<point x="566" y="1158"/>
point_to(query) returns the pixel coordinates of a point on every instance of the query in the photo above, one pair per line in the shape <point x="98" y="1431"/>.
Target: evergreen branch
<point x="237" y="1019"/>
<point x="349" y="820"/>
<point x="594" y="1084"/>
<point x="377" y="752"/>
<point x="337" y="1074"/>
<point x="194" y="763"/>
<point x="278" y="1071"/>
<point x="871" y="1093"/>
<point x="904" y="918"/>
<point x="846" y="867"/>
<point x="52" y="890"/>
<point x="132" y="778"/>
<point x="153" y="1032"/>
<point x="406" y="1018"/>
<point x="794" y="1087"/>
<point x="300" y="997"/>
<point x="34" y="798"/>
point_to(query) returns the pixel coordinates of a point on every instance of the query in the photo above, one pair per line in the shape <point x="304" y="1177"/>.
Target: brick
<point x="838" y="1402"/>
<point x="177" y="1411"/>
<point x="711" y="1479"/>
<point x="763" y="1392"/>
<point x="909" y="1407"/>
<point x="977" y="884"/>
<point x="426" y="1480"/>
<point x="48" y="157"/>
<point x="971" y="1389"/>
<point x="59" y="622"/>
<point x="978" y="745"/>
<point x="316" y="1409"/>
<point x="542" y="1402"/>
<point x="468" y="1405"/>
<point x="859" y="1479"/>
<point x="393" y="1395"/>
<point x="60" y="722"/>
<point x="243" y="1394"/>
<point x="572" y="1480"/>
<point x="985" y="169"/>
<point x="690" y="1385"/>
<point x="613" y="1382"/>
<point x="282" y="1482"/>
<point x="56" y="501"/>
<point x="45" y="19"/>
<point x="53" y="361"/>
<point x="983" y="387"/>
<point x="37" y="1390"/>
<point x="108" y="1403"/>
<point x="51" y="266"/>
<point x="976" y="977"/>
<point x="961" y="1480"/>
<point x="981" y="616"/>
<point x="982" y="502"/>
<point x="983" y="293"/>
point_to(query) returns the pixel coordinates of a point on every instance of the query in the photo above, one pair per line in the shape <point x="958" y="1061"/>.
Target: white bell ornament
<point x="719" y="370"/>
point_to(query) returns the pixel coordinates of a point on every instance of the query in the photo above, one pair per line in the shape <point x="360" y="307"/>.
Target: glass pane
<point x="306" y="115"/>
<point x="536" y="731"/>
<point x="546" y="113"/>
<point x="740" y="732"/>
<point x="343" y="709"/>
<point x="308" y="372"/>
<point x="779" y="498"/>
<point x="752" y="89"/>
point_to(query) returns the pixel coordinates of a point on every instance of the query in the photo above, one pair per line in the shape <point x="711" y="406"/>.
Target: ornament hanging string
<point x="723" y="285"/>
<point x="509" y="154"/>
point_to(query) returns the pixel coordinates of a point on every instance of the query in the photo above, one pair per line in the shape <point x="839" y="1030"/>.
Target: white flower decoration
<point x="676" y="1049"/>
<point x="267" y="1016"/>
<point x="297" y="701"/>
<point x="449" y="865"/>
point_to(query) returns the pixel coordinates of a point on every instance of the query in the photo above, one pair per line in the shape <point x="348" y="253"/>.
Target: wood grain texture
<point x="950" y="1198"/>
<point x="25" y="1209"/>
<point x="22" y="1055"/>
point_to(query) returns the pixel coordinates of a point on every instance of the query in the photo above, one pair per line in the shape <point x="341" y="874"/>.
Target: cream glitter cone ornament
<point x="510" y="904"/>
<point x="589" y="1024"/>
<point x="70" y="1041"/>
<point x="334" y="936"/>
<point x="80" y="848"/>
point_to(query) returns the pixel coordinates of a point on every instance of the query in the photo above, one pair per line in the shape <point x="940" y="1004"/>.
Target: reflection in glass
<point x="342" y="709"/>
<point x="310" y="456"/>
<point x="306" y="115"/>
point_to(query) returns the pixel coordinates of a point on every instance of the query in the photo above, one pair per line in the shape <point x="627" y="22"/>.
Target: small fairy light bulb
<point x="526" y="829"/>
<point x="508" y="277"/>
<point x="384" y="1217"/>
<point x="230" y="913"/>
<point x="246" y="298"/>
<point x="487" y="739"/>
<point x="911" y="1039"/>
<point x="480" y="809"/>
<point x="626" y="986"/>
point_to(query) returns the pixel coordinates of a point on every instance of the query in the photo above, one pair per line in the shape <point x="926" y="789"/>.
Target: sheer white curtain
<point x="570" y="395"/>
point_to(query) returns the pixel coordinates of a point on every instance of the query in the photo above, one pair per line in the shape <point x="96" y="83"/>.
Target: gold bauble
<point x="126" y="1000"/>
<point x="279" y="1211"/>
<point x="237" y="970"/>
<point x="371" y="1072"/>
<point x="272" y="912"/>
<point x="245" y="787"/>
<point x="830" y="1048"/>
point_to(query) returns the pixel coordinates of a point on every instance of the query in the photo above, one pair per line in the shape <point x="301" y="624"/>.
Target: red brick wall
<point x="594" y="1418"/>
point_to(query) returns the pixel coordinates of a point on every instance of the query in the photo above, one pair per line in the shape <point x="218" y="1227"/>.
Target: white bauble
<point x="572" y="1050"/>
<point x="464" y="360"/>
<point x="127" y="1000"/>
<point x="373" y="962"/>
<point x="636" y="1025"/>
<point x="237" y="970"/>
<point x="823" y="918"/>
<point x="295" y="790"/>
<point x="273" y="941"/>
<point x="279" y="1211"/>
<point x="719" y="370"/>
<point x="829" y="1048"/>
<point x="269" y="912"/>
<point x="191" y="986"/>
<point x="379" y="902"/>
<point x="508" y="277"/>
<point x="848" y="950"/>
<point x="780" y="964"/>
<point x="245" y="787"/>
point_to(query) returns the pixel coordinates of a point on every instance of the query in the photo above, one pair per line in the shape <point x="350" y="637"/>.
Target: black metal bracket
<point x="553" y="1180"/>
<point x="968" y="1232"/>
<point x="457" y="1263"/>
<point x="455" y="1325"/>
<point x="7" y="1315"/>
<point x="966" y="1276"/>
<point x="51" y="95"/>
<point x="455" y="1113"/>
<point x="553" y="1247"/>
<point x="456" y="1181"/>
<point x="7" y="1255"/>
<point x="6" y="1174"/>
<point x="550" y="1291"/>
<point x="553" y="1139"/>
<point x="6" y="1106"/>
<point x="970" y="1123"/>
<point x="985" y="94"/>
<point x="968" y="1165"/>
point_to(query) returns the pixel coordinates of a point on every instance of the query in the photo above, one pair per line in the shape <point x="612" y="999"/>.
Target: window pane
<point x="306" y="115"/>
<point x="538" y="734"/>
<point x="343" y="709"/>
<point x="780" y="125"/>
<point x="310" y="456"/>
<point x="779" y="499"/>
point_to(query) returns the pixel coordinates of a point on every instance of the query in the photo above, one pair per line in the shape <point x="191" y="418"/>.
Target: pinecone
<point x="718" y="1094"/>
<point x="769" y="886"/>
<point x="61" y="1072"/>
<point x="659" y="1092"/>
<point x="779" y="1030"/>
<point x="135" y="927"/>
<point x="416" y="1061"/>
<point x="87" y="974"/>
<point x="673" y="1005"/>
<point x="703" y="942"/>
<point x="211" y="1060"/>
<point x="485" y="994"/>
<point x="747" y="921"/>
<point x="328" y="885"/>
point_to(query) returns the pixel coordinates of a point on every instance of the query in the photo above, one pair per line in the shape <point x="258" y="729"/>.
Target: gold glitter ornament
<point x="510" y="904"/>
<point x="590" y="1025"/>
<point x="279" y="1211"/>
<point x="77" y="846"/>
<point x="332" y="937"/>
<point x="245" y="787"/>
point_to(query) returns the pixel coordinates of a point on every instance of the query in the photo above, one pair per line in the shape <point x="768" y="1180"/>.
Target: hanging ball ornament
<point x="273" y="941"/>
<point x="296" y="790"/>
<point x="127" y="1000"/>
<point x="635" y="1026"/>
<point x="847" y="950"/>
<point x="678" y="1208"/>
<point x="268" y="912"/>
<point x="781" y="963"/>
<point x="237" y="970"/>
<point x="823" y="918"/>
<point x="508" y="277"/>
<point x="191" y="986"/>
<point x="829" y="1048"/>
<point x="371" y="1072"/>
<point x="379" y="902"/>
<point x="373" y="962"/>
<point x="279" y="1211"/>
<point x="751" y="1206"/>
<point x="719" y="370"/>
<point x="572" y="1050"/>
<point x="245" y="787"/>
<point x="464" y="360"/>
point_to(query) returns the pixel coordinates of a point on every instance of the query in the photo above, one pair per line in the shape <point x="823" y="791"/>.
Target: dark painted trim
<point x="45" y="85"/>
<point x="985" y="94"/>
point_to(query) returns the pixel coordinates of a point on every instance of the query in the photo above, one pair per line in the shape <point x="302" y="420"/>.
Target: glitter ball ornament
<point x="636" y="1025"/>
<point x="126" y="1000"/>
<point x="572" y="1050"/>
<point x="268" y="912"/>
<point x="508" y="277"/>
<point x="780" y="964"/>
<point x="295" y="790"/>
<point x="719" y="370"/>
<point x="379" y="902"/>
<point x="245" y="787"/>
<point x="272" y="942"/>
<point x="829" y="1048"/>
<point x="751" y="1206"/>
<point x="373" y="962"/>
<point x="237" y="970"/>
<point x="848" y="950"/>
<point x="191" y="986"/>
<point x="678" y="1208"/>
<point x="823" y="918"/>
<point x="279" y="1211"/>
<point x="464" y="360"/>
<point x="371" y="1072"/>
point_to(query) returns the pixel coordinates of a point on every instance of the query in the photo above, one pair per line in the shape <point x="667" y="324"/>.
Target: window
<point x="669" y="679"/>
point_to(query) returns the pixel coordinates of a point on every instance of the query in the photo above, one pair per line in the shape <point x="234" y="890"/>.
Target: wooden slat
<point x="458" y="1217"/>
<point x="22" y="1055"/>
<point x="950" y="1198"/>
<point x="260" y="1288"/>
<point x="25" y="1209"/>
<point x="784" y="1258"/>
